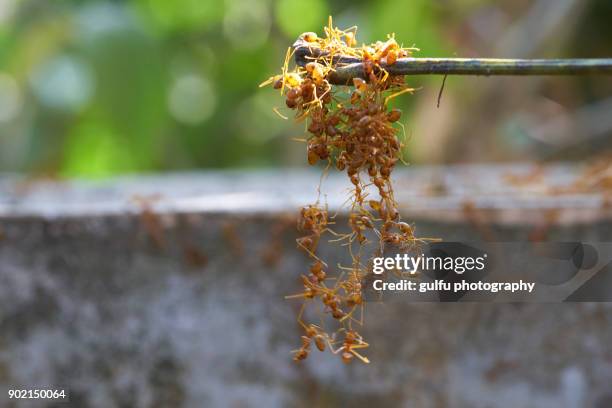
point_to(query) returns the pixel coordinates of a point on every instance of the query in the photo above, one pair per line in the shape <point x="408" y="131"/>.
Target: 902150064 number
<point x="37" y="394"/>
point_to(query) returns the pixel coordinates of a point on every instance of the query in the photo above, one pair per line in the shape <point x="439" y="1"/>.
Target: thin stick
<point x="441" y="90"/>
<point x="348" y="68"/>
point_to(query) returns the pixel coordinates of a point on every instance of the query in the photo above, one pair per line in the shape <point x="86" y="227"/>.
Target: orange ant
<point x="352" y="341"/>
<point x="312" y="332"/>
<point x="150" y="219"/>
<point x="312" y="288"/>
<point x="313" y="220"/>
<point x="316" y="271"/>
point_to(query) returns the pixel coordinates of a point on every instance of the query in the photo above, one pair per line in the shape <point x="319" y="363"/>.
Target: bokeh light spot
<point x="97" y="19"/>
<point x="7" y="9"/>
<point x="260" y="123"/>
<point x="247" y="23"/>
<point x="63" y="83"/>
<point x="192" y="99"/>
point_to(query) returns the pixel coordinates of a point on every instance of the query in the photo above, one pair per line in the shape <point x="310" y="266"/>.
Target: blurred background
<point x="168" y="290"/>
<point x="97" y="88"/>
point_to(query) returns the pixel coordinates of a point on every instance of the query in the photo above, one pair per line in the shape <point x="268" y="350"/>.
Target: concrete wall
<point x="177" y="300"/>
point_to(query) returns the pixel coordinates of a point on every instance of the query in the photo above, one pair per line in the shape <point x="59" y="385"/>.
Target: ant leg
<point x="359" y="356"/>
<point x="338" y="282"/>
<point x="352" y="319"/>
<point x="348" y="315"/>
<point x="343" y="237"/>
<point x="323" y="177"/>
<point x="310" y="253"/>
<point x="285" y="69"/>
<point x="331" y="231"/>
<point x="348" y="200"/>
<point x="299" y="317"/>
<point x="403" y="91"/>
<point x="275" y="110"/>
<point x="361" y="344"/>
<point x="339" y="349"/>
<point x="297" y="295"/>
<point x="361" y="317"/>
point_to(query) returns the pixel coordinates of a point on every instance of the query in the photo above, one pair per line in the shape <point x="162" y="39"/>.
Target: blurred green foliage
<point x="94" y="88"/>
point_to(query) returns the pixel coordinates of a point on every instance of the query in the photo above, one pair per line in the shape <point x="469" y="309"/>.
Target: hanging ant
<point x="352" y="341"/>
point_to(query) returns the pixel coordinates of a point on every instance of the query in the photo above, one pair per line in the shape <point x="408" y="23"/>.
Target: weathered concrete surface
<point x="179" y="301"/>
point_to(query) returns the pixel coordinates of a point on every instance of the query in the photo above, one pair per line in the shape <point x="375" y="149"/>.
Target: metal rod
<point x="348" y="68"/>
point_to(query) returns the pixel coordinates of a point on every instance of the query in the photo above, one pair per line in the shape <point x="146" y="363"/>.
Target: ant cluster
<point x="354" y="130"/>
